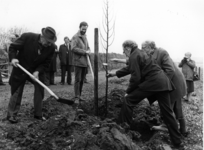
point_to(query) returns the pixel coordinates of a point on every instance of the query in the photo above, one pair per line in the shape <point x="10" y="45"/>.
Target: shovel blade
<point x="65" y="101"/>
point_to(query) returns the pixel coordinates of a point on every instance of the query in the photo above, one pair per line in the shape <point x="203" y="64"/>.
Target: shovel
<point x="61" y="100"/>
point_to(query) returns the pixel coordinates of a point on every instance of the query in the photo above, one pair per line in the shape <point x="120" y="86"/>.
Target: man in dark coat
<point x="80" y="49"/>
<point x="34" y="52"/>
<point x="147" y="79"/>
<point x="50" y="72"/>
<point x="65" y="56"/>
<point x="172" y="71"/>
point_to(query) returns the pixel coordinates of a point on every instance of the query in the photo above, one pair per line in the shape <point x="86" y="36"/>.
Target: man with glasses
<point x="80" y="49"/>
<point x="147" y="79"/>
<point x="34" y="52"/>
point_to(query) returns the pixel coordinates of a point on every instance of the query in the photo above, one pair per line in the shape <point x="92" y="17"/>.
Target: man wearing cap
<point x="80" y="49"/>
<point x="188" y="65"/>
<point x="34" y="52"/>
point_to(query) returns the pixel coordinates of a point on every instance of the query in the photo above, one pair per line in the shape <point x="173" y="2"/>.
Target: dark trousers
<point x="50" y="77"/>
<point x="1" y="81"/>
<point x="163" y="98"/>
<point x="80" y="73"/>
<point x="64" y="69"/>
<point x="16" y="97"/>
<point x="178" y="111"/>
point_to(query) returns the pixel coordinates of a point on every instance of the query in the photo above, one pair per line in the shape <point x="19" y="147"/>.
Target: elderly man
<point x="163" y="59"/>
<point x="188" y="65"/>
<point x="147" y="79"/>
<point x="80" y="49"/>
<point x="34" y="52"/>
<point x="65" y="56"/>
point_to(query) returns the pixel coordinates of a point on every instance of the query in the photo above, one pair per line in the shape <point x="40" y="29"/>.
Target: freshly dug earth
<point x="77" y="128"/>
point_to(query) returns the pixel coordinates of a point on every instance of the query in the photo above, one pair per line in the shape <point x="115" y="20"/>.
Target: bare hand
<point x="36" y="75"/>
<point x="126" y="95"/>
<point x="114" y="60"/>
<point x="111" y="75"/>
<point x="88" y="52"/>
<point x="14" y="62"/>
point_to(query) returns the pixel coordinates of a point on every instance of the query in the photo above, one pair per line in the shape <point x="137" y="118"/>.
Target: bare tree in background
<point x="107" y="36"/>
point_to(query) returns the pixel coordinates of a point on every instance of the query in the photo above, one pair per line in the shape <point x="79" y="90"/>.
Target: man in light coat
<point x="188" y="65"/>
<point x="80" y="49"/>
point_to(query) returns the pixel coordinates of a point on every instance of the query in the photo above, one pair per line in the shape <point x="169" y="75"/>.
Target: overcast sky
<point x="175" y="25"/>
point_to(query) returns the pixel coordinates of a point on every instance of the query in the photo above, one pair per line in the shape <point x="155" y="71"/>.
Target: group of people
<point x="153" y="75"/>
<point x="37" y="54"/>
<point x="156" y="77"/>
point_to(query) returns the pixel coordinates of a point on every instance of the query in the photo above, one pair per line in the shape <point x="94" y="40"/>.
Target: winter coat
<point x="79" y="46"/>
<point x="187" y="68"/>
<point x="26" y="50"/>
<point x="65" y="55"/>
<point x="145" y="74"/>
<point x="163" y="59"/>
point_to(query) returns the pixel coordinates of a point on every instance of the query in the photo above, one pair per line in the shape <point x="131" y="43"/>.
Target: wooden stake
<point x="96" y="48"/>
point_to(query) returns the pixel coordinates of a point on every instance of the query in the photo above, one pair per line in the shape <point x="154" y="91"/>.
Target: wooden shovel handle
<point x="38" y="81"/>
<point x="90" y="66"/>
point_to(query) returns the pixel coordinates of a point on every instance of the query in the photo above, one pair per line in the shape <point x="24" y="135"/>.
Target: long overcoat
<point x="65" y="55"/>
<point x="32" y="57"/>
<point x="145" y="74"/>
<point x="163" y="59"/>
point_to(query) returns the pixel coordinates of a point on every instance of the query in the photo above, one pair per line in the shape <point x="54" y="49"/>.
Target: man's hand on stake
<point x="14" y="62"/>
<point x="126" y="95"/>
<point x="88" y="52"/>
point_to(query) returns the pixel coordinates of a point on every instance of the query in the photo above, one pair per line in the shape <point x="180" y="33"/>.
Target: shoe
<point x="69" y="83"/>
<point x="185" y="134"/>
<point x="179" y="146"/>
<point x="12" y="119"/>
<point x="40" y="118"/>
<point x="2" y="83"/>
<point x="52" y="84"/>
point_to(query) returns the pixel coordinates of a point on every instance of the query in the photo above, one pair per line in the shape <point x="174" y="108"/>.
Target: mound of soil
<point x="78" y="128"/>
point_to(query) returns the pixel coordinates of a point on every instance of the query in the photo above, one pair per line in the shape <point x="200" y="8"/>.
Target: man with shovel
<point x="34" y="52"/>
<point x="81" y="50"/>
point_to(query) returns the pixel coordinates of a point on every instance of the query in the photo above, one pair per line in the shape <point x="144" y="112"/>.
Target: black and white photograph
<point x="101" y="74"/>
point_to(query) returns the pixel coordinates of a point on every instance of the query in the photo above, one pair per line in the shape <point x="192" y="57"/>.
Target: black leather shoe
<point x="12" y="119"/>
<point x="1" y="83"/>
<point x="52" y="84"/>
<point x="40" y="118"/>
<point x="81" y="99"/>
<point x="179" y="146"/>
<point x="69" y="83"/>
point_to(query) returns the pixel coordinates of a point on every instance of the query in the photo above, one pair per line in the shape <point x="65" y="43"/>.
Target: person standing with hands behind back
<point x="188" y="65"/>
<point x="80" y="49"/>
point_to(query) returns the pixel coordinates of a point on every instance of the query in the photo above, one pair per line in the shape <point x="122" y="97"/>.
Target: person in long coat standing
<point x="147" y="79"/>
<point x="80" y="49"/>
<point x="34" y="52"/>
<point x="65" y="56"/>
<point x="163" y="59"/>
<point x="50" y="72"/>
<point x="188" y="65"/>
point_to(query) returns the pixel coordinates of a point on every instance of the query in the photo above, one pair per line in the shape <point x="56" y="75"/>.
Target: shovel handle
<point x="38" y="81"/>
<point x="90" y="66"/>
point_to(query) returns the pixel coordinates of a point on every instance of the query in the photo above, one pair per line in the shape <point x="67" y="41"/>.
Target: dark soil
<point x="77" y="128"/>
